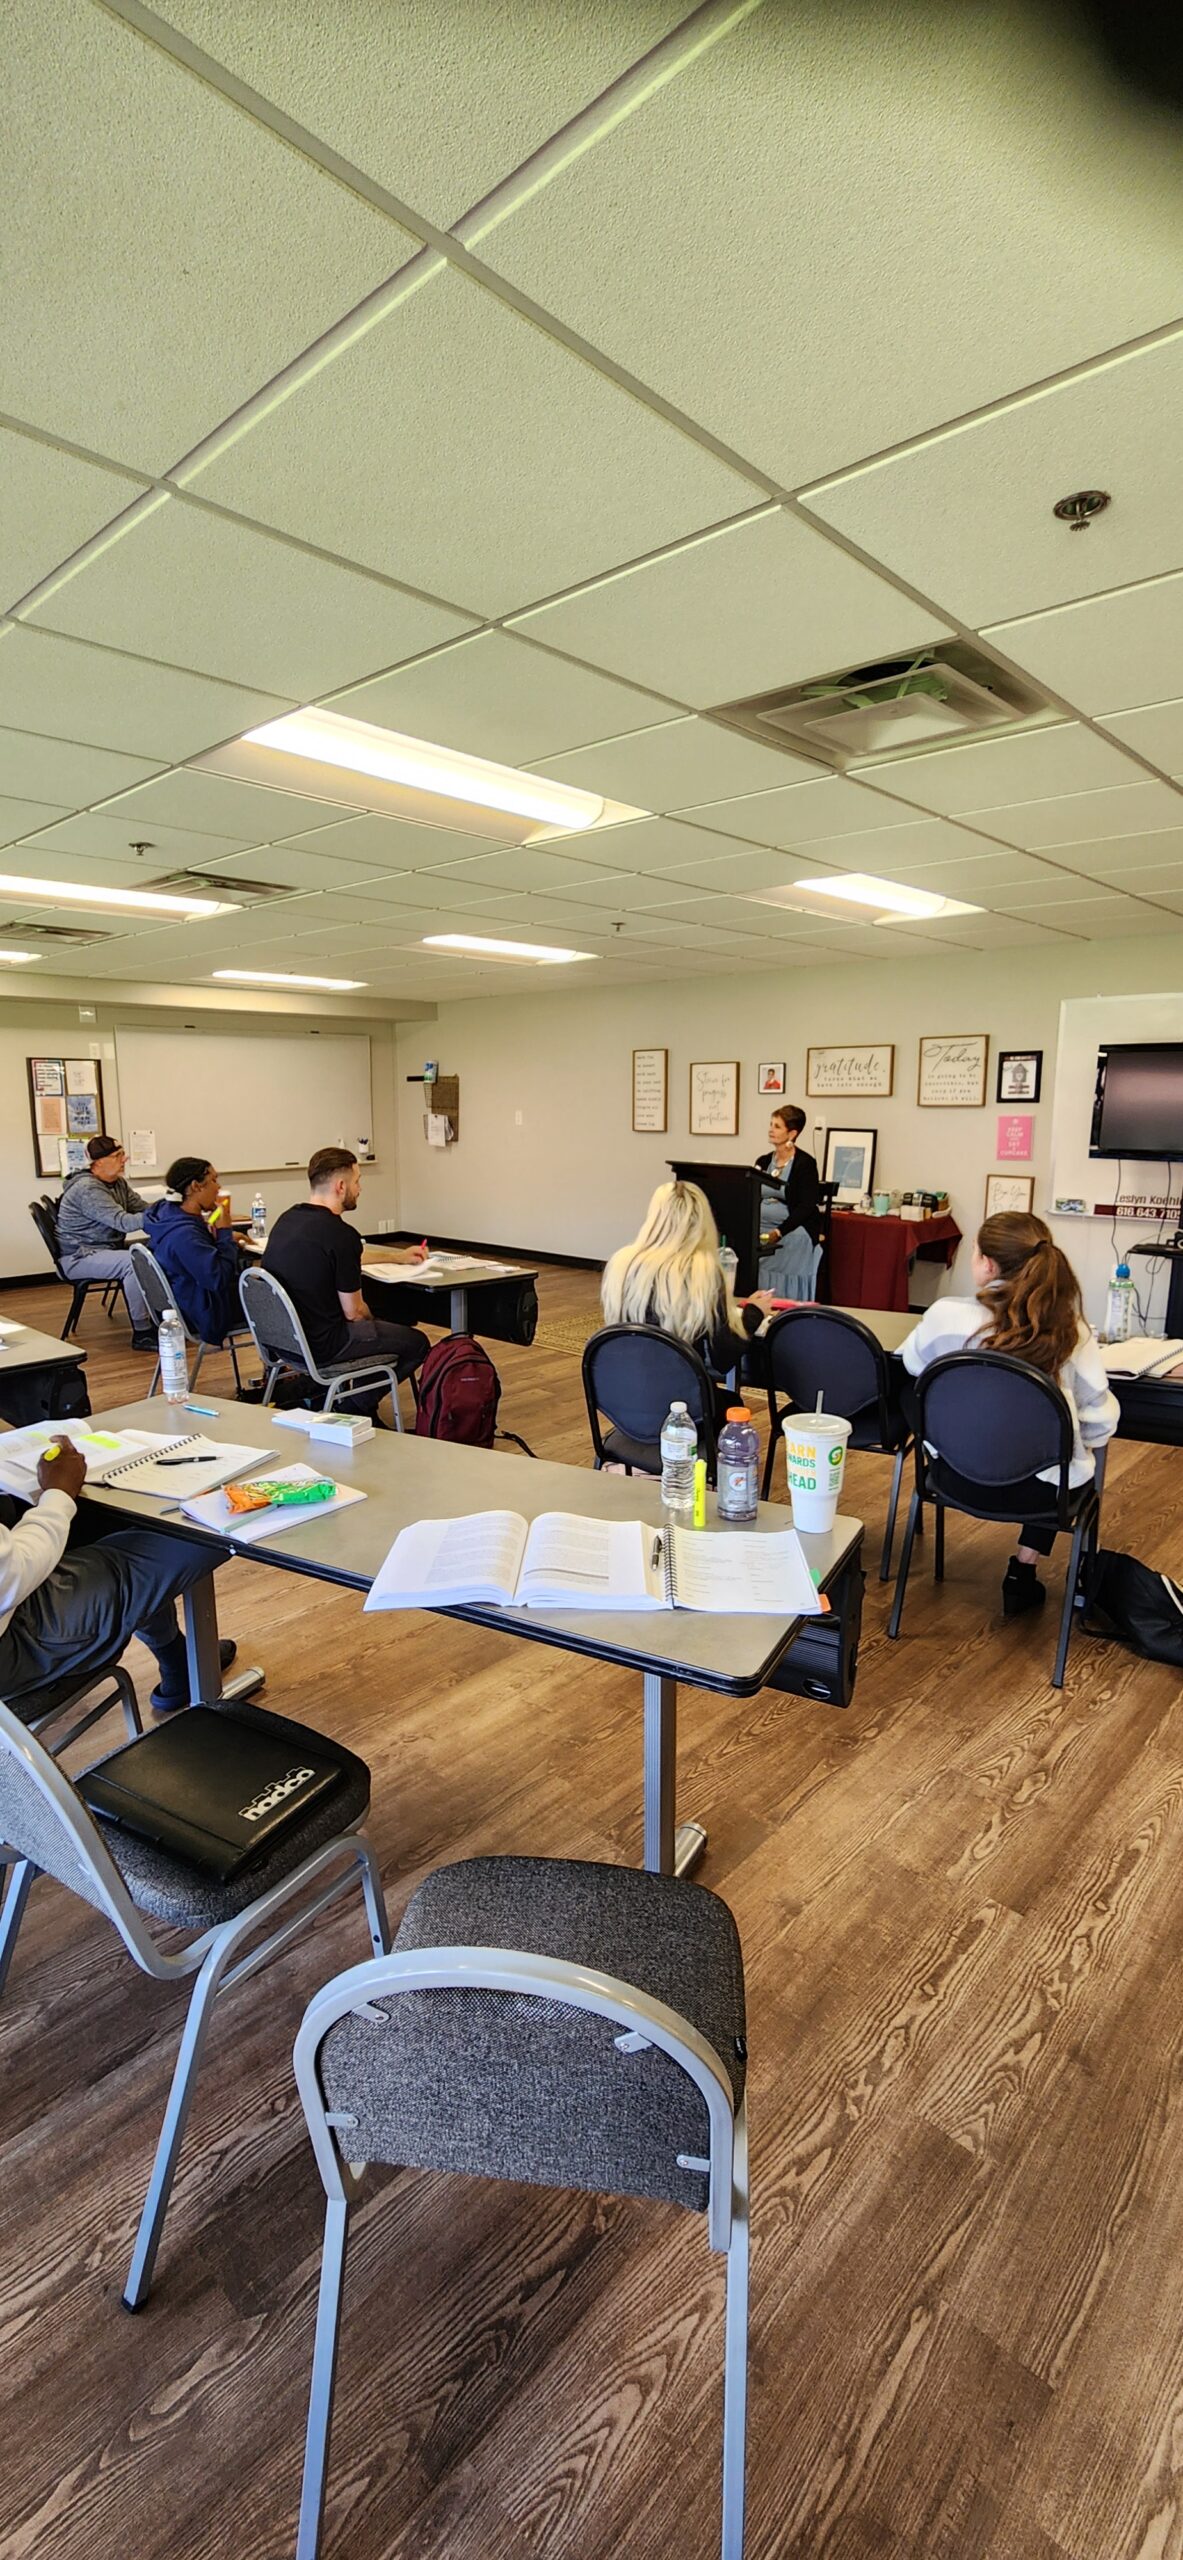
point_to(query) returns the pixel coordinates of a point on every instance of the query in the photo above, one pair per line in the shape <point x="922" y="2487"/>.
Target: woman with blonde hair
<point x="1027" y="1304"/>
<point x="671" y="1276"/>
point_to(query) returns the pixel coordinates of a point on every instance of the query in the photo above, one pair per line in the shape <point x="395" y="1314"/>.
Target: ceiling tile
<point x="493" y="695"/>
<point x="992" y="932"/>
<point x="50" y="503"/>
<point x="167" y="254"/>
<point x="31" y="861"/>
<point x="762" y="603"/>
<point x="891" y="850"/>
<point x="1088" y="816"/>
<point x="20" y="817"/>
<point x="1035" y="764"/>
<point x="1110" y="654"/>
<point x="1120" y="857"/>
<point x="1097" y="918"/>
<point x="102" y="698"/>
<point x="805" y="813"/>
<point x="288" y="866"/>
<point x="1046" y="888"/>
<point x="55" y="769"/>
<point x="542" y="473"/>
<point x="1156" y="733"/>
<point x="377" y="893"/>
<point x="392" y="844"/>
<point x="652" y="844"/>
<point x="734" y="875"/>
<point x="921" y="512"/>
<point x="108" y="833"/>
<point x="217" y="597"/>
<point x="526" y="868"/>
<point x="678" y="764"/>
<point x="209" y="804"/>
<point x="924" y="162"/>
<point x="441" y="103"/>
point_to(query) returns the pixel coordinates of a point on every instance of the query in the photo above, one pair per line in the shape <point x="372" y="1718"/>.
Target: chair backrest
<point x="44" y="1216"/>
<point x="275" y="1326"/>
<point x="43" y="1817"/>
<point x="633" y="1373"/>
<point x="156" y="1287"/>
<point x="994" y="1419"/>
<point x="817" y="1350"/>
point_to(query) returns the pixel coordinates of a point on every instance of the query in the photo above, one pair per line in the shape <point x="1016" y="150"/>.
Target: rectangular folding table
<point x="35" y="1369"/>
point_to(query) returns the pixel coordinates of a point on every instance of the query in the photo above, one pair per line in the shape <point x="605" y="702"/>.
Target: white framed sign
<point x="868" y="1069"/>
<point x="714" y="1098"/>
<point x="952" y="1074"/>
<point x="1006" y="1192"/>
<point x="651" y="1088"/>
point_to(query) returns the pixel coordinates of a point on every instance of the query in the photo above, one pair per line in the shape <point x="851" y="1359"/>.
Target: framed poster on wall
<point x="66" y="1108"/>
<point x="714" y="1098"/>
<point x="952" y="1075"/>
<point x="852" y="1072"/>
<point x="850" y="1161"/>
<point x="1008" y="1191"/>
<point x="651" y="1088"/>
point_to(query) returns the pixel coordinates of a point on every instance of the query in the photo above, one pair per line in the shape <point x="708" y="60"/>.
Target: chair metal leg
<point x="735" y="2354"/>
<point x="232" y="1348"/>
<point x="375" y="1899"/>
<point x="915" y="1508"/>
<point x="155" y="1378"/>
<point x="897" y="1478"/>
<point x="938" y="1561"/>
<point x="77" y="1303"/>
<point x="13" y="1912"/>
<point x="164" y="2165"/>
<point x="1067" y="1612"/>
<point x="324" y="2375"/>
<point x="202" y="1348"/>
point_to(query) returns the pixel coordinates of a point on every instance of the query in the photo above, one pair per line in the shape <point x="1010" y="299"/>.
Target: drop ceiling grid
<point x="299" y="624"/>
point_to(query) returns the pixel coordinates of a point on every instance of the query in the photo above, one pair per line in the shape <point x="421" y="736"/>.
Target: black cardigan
<point x="721" y="1348"/>
<point x="800" y="1186"/>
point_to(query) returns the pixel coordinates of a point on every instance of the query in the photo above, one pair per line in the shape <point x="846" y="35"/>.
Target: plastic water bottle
<point x="679" y="1449"/>
<point x="1119" y="1305"/>
<point x="739" y="1466"/>
<point x="259" y="1218"/>
<point x="173" y="1353"/>
<point x="728" y="1263"/>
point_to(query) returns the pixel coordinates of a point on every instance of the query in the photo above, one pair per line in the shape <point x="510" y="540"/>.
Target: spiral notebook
<point x="564" y="1560"/>
<point x="171" y="1464"/>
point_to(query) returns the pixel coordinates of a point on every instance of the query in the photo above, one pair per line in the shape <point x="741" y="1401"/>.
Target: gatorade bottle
<point x="739" y="1466"/>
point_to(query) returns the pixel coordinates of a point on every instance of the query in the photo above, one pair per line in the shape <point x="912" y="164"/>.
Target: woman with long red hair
<point x="1027" y="1304"/>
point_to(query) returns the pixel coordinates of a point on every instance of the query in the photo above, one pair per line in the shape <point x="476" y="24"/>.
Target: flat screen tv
<point x="1138" y="1105"/>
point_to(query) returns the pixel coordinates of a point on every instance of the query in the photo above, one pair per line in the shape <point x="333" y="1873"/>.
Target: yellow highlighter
<point x="699" y="1513"/>
<point x="53" y="1450"/>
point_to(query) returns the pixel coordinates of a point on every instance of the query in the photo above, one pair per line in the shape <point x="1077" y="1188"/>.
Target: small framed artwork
<point x="651" y="1080"/>
<point x="1008" y="1191"/>
<point x="771" y="1075"/>
<point x="714" y="1098"/>
<point x="1015" y="1137"/>
<point x="850" y="1161"/>
<point x="1020" y="1074"/>
<point x="852" y="1074"/>
<point x="82" y="1115"/>
<point x="952" y="1073"/>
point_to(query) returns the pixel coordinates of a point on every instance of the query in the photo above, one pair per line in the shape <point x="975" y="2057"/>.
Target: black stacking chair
<point x="809" y="1351"/>
<point x="548" y="2021"/>
<point x="46" y="1829"/>
<point x="43" y="1213"/>
<point x="984" y="1424"/>
<point x="632" y="1374"/>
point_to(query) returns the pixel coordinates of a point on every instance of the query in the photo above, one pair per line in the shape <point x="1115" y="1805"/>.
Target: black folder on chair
<point x="211" y="1788"/>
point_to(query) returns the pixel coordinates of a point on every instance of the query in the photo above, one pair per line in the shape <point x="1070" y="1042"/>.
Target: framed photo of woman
<point x="771" y="1075"/>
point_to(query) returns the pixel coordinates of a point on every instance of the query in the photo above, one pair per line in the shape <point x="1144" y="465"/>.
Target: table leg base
<point x="690" y="1843"/>
<point x="242" y="1684"/>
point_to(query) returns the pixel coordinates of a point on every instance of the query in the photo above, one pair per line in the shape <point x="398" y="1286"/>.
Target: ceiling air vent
<point x="898" y="706"/>
<point x="54" y="933"/>
<point x="223" y="884"/>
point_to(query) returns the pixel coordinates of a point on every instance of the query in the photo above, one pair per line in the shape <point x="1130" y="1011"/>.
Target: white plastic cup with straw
<point x="815" y="1456"/>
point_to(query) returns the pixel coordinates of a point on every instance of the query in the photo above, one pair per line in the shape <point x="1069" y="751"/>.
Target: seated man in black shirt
<point x="316" y="1257"/>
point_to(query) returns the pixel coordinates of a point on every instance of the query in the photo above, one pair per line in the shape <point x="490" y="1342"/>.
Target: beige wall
<point x="569" y="1175"/>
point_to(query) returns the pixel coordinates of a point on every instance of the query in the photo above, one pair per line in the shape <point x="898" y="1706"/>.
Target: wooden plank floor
<point x="961" y="1906"/>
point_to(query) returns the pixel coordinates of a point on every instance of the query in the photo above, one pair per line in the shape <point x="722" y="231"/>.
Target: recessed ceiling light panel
<point x="893" y="899"/>
<point x="285" y="978"/>
<point x="16" y="959"/>
<point x="537" y="951"/>
<point x="327" y="737"/>
<point x="76" y="893"/>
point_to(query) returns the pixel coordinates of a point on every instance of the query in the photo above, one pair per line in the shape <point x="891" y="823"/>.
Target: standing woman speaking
<point x="789" y="1207"/>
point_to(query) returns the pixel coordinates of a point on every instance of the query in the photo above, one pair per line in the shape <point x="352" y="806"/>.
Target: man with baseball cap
<point x="99" y="1210"/>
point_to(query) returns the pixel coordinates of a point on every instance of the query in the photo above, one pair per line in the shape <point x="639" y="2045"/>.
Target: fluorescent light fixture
<point x="327" y="737"/>
<point x="16" y="958"/>
<point x="500" y="950"/>
<point x="74" y="893"/>
<point x="892" y="897"/>
<point x="284" y="978"/>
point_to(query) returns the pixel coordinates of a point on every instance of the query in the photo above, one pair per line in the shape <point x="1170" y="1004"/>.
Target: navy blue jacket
<point x="202" y="1268"/>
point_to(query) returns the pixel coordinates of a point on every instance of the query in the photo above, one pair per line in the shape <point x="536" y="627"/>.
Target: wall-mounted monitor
<point x="1138" y="1103"/>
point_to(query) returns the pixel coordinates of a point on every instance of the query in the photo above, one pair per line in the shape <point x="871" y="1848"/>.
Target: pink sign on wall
<point x="1016" y="1132"/>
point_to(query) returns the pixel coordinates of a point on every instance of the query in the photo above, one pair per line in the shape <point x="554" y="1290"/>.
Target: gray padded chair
<point x="284" y="1348"/>
<point x="160" y="1295"/>
<point x="545" y="2020"/>
<point x="46" y="1829"/>
<point x="44" y="1706"/>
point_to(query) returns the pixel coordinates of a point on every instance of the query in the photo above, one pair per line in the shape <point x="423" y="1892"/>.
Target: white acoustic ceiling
<point x="539" y="378"/>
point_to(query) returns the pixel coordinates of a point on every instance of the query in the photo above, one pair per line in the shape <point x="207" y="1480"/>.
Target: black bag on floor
<point x="1137" y="1607"/>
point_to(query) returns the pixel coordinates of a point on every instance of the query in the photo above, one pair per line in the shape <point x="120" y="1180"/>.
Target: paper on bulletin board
<point x="438" y="1129"/>
<point x="1016" y="1137"/>
<point x="81" y="1075"/>
<point x="141" y="1146"/>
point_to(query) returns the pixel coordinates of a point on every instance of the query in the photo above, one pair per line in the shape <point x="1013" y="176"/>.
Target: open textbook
<point x="1144" y="1355"/>
<point x="563" y="1560"/>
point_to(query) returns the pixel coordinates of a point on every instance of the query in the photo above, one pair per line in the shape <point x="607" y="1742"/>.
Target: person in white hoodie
<point x="62" y="1614"/>
<point x="1028" y="1304"/>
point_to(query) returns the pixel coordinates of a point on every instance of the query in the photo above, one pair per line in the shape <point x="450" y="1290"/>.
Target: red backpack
<point x="459" y="1392"/>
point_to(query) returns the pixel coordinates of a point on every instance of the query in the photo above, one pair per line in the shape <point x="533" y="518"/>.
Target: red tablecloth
<point x="870" y="1257"/>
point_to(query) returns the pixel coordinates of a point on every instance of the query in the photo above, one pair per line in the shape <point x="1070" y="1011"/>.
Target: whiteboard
<point x="250" y="1105"/>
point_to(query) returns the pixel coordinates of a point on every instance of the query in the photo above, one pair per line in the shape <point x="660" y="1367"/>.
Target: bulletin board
<point x="66" y="1108"/>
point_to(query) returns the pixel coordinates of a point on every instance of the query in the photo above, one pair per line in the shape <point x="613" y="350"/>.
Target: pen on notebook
<point x="655" y="1558"/>
<point x="206" y="1459"/>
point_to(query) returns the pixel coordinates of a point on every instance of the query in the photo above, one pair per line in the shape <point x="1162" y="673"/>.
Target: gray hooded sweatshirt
<point x="96" y="1217"/>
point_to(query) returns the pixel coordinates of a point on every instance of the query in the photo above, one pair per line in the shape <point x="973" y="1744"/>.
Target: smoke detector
<point x="893" y="707"/>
